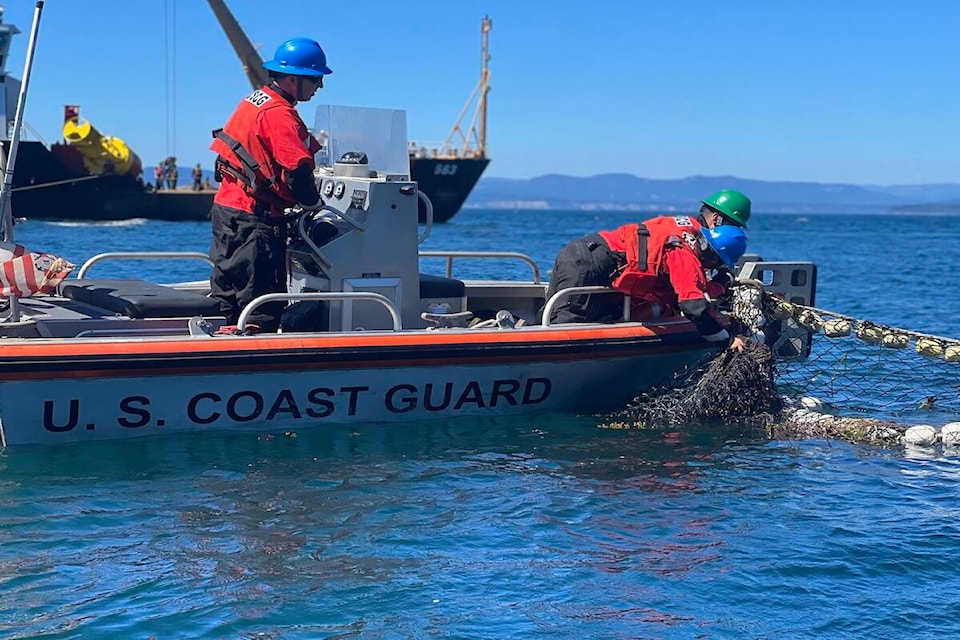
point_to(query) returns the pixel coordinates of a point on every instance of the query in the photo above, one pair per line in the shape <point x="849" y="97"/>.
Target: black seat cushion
<point x="440" y="287"/>
<point x="139" y="299"/>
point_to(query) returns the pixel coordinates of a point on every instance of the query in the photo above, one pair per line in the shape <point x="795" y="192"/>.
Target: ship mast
<point x="249" y="58"/>
<point x="485" y="26"/>
<point x="473" y="141"/>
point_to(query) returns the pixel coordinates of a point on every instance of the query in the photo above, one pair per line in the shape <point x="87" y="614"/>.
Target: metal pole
<point x="5" y="191"/>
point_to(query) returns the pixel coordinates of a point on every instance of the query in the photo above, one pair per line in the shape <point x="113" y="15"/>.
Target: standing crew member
<point x="265" y="159"/>
<point x="158" y="176"/>
<point x="660" y="263"/>
<point x="197" y="178"/>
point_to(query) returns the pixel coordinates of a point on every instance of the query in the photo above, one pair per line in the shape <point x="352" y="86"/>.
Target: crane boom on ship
<point x="249" y="58"/>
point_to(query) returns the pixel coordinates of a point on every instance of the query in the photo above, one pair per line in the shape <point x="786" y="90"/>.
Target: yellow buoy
<point x="837" y="328"/>
<point x="952" y="353"/>
<point x="101" y="154"/>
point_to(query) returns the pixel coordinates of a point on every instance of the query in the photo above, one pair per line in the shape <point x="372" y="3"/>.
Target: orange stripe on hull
<point x="231" y="344"/>
<point x="321" y="365"/>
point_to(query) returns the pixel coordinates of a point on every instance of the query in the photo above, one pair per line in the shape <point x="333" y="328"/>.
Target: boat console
<point x="365" y="237"/>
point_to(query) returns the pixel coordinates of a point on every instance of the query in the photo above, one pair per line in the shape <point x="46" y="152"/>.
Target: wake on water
<point x="132" y="222"/>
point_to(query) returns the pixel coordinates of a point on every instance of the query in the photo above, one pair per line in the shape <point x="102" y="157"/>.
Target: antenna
<point x="11" y="161"/>
<point x="170" y="64"/>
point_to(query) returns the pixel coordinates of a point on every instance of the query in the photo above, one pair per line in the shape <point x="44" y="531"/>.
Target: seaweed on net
<point x="731" y="388"/>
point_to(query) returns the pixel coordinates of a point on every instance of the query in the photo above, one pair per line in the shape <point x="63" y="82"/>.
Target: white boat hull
<point x="78" y="408"/>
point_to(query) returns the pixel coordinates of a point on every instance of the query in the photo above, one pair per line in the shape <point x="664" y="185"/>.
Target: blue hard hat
<point x="728" y="242"/>
<point x="299" y="57"/>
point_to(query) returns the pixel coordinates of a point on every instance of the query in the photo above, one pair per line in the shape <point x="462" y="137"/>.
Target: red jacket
<point x="662" y="260"/>
<point x="269" y="128"/>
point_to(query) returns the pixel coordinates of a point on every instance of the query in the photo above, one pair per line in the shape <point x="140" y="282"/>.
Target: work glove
<point x="723" y="277"/>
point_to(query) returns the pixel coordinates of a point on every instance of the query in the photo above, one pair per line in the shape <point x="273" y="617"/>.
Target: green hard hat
<point x="730" y="203"/>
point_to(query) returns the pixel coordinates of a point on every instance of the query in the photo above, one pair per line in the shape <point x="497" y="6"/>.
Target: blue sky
<point x="853" y="91"/>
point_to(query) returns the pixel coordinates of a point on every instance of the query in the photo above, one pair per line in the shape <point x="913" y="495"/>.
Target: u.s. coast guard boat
<point x="119" y="358"/>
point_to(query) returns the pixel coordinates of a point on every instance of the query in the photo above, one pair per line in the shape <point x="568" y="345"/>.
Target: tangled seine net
<point x="826" y="375"/>
<point x="732" y="387"/>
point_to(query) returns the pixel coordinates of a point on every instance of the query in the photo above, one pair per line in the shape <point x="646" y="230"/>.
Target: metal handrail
<point x="321" y="295"/>
<point x="450" y="255"/>
<point x="141" y="255"/>
<point x="566" y="293"/>
<point x="427" y="217"/>
<point x="145" y="331"/>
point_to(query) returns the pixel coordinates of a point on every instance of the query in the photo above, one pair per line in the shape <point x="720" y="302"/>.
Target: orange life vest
<point x="645" y="246"/>
<point x="245" y="163"/>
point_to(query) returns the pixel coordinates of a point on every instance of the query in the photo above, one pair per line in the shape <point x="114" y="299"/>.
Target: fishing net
<point x="824" y="375"/>
<point x="733" y="387"/>
<point x="857" y="367"/>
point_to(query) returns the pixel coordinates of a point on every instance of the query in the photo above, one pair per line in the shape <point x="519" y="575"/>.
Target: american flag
<point x="24" y="274"/>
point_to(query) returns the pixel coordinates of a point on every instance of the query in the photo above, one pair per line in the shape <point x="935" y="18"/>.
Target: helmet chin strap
<point x="285" y="94"/>
<point x="300" y="94"/>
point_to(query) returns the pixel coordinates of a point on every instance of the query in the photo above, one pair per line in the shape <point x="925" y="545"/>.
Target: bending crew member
<point x="660" y="263"/>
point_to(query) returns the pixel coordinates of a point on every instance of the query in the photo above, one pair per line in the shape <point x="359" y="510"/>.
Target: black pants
<point x="249" y="255"/>
<point x="586" y="261"/>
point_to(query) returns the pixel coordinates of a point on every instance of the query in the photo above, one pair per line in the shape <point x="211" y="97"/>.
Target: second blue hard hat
<point x="728" y="242"/>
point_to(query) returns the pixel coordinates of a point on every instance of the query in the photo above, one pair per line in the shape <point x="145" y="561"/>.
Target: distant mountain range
<point x="627" y="192"/>
<point x="624" y="191"/>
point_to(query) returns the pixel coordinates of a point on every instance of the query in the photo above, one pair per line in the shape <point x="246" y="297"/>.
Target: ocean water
<point x="550" y="526"/>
